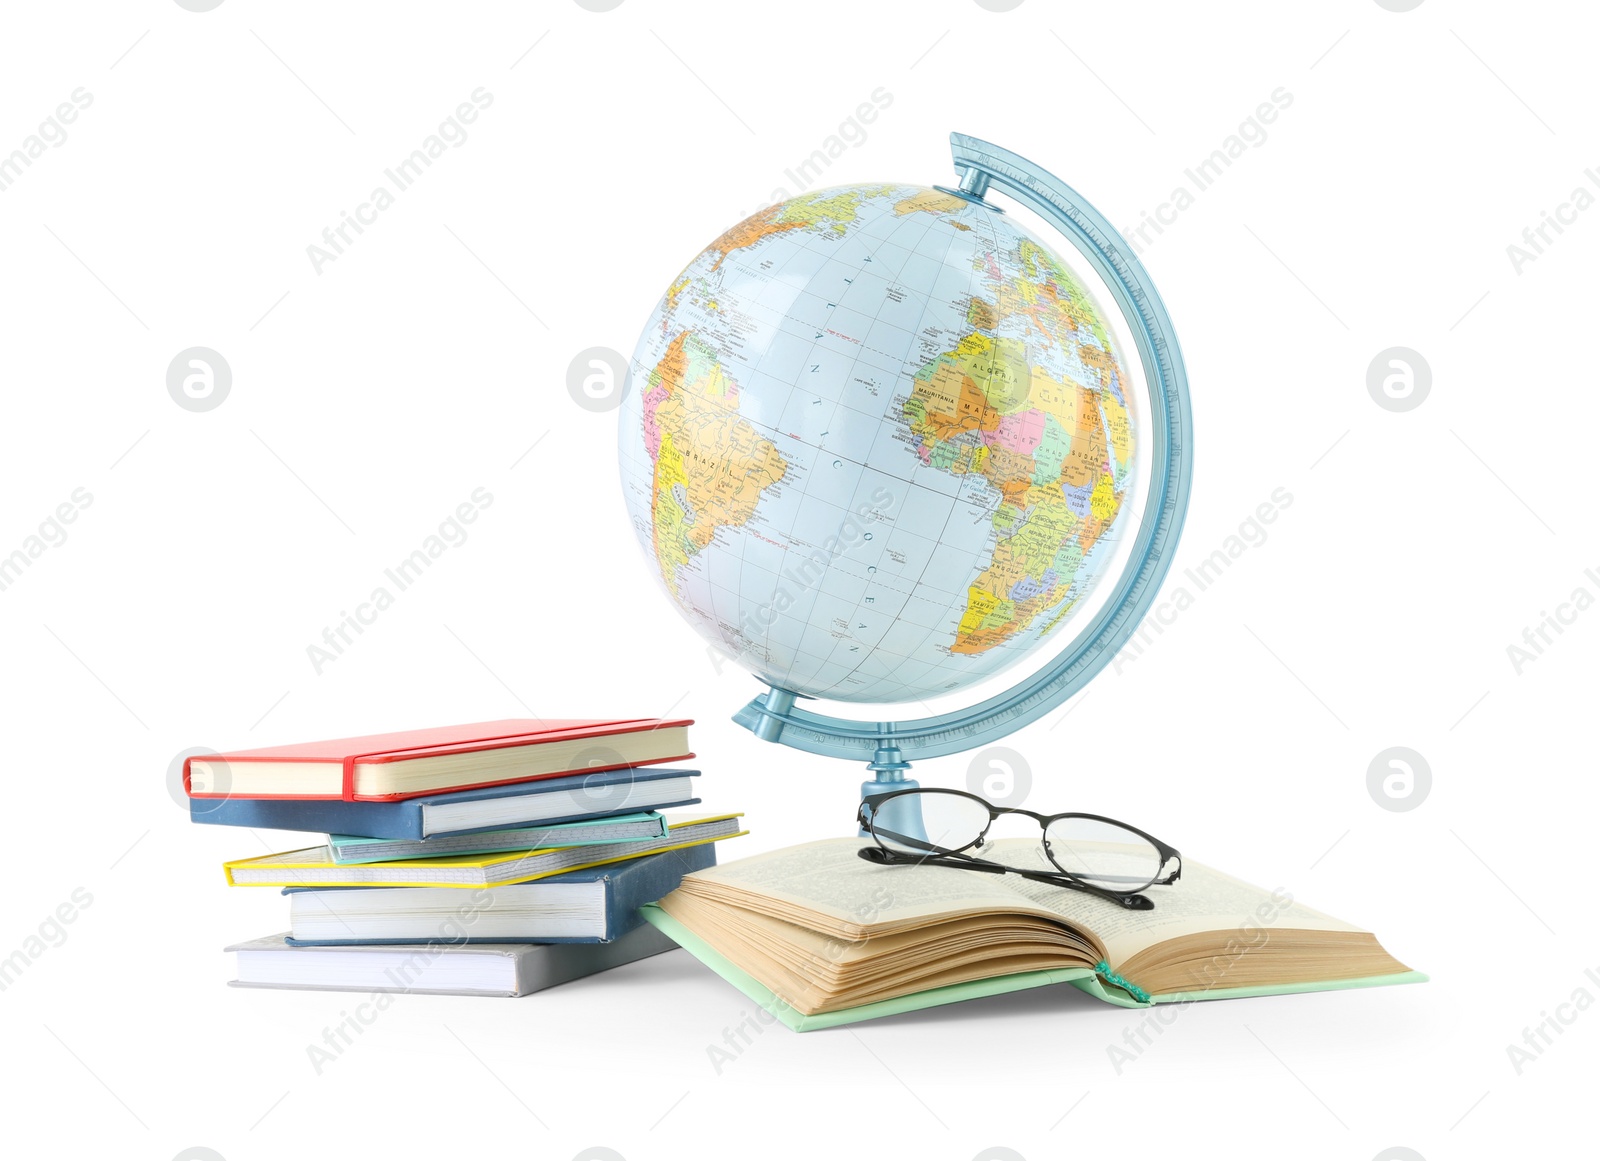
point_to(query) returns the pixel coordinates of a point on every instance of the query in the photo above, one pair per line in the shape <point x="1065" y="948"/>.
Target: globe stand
<point x="888" y="766"/>
<point x="886" y="747"/>
<point x="888" y="769"/>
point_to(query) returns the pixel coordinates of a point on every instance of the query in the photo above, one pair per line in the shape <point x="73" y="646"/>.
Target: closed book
<point x="314" y="866"/>
<point x="596" y="905"/>
<point x="549" y="800"/>
<point x="440" y="969"/>
<point x="349" y="850"/>
<point x="408" y="763"/>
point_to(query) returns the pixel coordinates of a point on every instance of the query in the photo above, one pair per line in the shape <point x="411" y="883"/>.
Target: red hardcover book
<point x="388" y="767"/>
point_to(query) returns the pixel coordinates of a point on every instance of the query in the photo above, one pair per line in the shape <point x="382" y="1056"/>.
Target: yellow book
<point x="314" y="866"/>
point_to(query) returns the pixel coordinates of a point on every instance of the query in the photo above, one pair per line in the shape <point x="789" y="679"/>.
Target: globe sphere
<point x="878" y="443"/>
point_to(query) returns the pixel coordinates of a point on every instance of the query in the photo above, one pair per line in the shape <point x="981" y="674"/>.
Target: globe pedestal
<point x="888" y="769"/>
<point x="888" y="766"/>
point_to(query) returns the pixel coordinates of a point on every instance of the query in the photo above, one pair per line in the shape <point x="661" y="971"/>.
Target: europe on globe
<point x="877" y="443"/>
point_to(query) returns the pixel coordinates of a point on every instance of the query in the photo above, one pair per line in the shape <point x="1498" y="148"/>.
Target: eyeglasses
<point x="1099" y="856"/>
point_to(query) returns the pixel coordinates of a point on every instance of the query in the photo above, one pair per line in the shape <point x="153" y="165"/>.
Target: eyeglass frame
<point x="1133" y="900"/>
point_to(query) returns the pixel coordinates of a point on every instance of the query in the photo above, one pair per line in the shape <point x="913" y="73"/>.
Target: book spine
<point x="387" y="820"/>
<point x="646" y="881"/>
<point x="548" y="965"/>
<point x="1103" y="970"/>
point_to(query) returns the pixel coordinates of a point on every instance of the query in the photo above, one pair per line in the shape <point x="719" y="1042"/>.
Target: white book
<point x="443" y="969"/>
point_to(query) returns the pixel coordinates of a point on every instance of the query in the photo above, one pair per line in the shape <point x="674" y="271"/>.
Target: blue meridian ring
<point x="981" y="165"/>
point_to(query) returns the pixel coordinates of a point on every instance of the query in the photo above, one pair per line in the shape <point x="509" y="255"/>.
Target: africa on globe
<point x="878" y="442"/>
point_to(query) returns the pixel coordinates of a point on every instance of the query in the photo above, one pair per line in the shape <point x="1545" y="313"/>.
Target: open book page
<point x="824" y="929"/>
<point x="1203" y="900"/>
<point x="811" y="972"/>
<point x="825" y="886"/>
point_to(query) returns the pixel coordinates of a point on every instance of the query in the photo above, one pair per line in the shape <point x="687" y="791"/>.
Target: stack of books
<point x="490" y="859"/>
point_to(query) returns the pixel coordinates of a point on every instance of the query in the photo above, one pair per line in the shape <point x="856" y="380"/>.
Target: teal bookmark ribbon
<point x="1103" y="970"/>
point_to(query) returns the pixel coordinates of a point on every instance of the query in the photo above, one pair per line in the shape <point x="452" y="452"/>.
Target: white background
<point x="371" y="398"/>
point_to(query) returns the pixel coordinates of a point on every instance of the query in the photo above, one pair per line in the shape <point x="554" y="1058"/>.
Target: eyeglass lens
<point x="1100" y="853"/>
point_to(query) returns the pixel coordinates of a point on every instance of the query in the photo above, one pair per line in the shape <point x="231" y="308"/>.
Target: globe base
<point x="888" y="769"/>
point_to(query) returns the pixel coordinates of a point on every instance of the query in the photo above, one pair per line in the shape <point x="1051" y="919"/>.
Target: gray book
<point x="439" y="969"/>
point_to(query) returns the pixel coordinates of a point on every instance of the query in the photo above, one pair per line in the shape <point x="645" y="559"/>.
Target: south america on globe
<point x="878" y="442"/>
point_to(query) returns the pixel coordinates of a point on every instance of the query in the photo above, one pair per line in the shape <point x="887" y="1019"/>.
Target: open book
<point x="819" y="936"/>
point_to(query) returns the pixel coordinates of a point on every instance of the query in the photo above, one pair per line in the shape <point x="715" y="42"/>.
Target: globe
<point x="878" y="442"/>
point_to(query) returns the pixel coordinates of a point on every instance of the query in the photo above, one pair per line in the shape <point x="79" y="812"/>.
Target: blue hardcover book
<point x="592" y="906"/>
<point x="643" y="826"/>
<point x="571" y="798"/>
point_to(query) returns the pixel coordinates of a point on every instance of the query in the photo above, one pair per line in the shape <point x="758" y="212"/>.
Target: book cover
<point x="314" y="866"/>
<point x="353" y="850"/>
<point x="464" y="756"/>
<point x="627" y="887"/>
<point x="435" y="969"/>
<point x="570" y="798"/>
<point x="1084" y="979"/>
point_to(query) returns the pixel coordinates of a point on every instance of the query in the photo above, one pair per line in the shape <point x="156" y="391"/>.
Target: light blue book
<point x="350" y="850"/>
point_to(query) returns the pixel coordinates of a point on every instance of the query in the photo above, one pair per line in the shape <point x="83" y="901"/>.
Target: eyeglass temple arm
<point x="1133" y="902"/>
<point x="934" y="852"/>
<point x="967" y="860"/>
<point x="931" y="859"/>
<point x="878" y="854"/>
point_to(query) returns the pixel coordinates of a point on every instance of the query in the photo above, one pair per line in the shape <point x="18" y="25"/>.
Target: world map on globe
<point x="876" y="442"/>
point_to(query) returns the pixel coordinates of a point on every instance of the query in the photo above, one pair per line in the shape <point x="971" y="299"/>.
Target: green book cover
<point x="1084" y="979"/>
